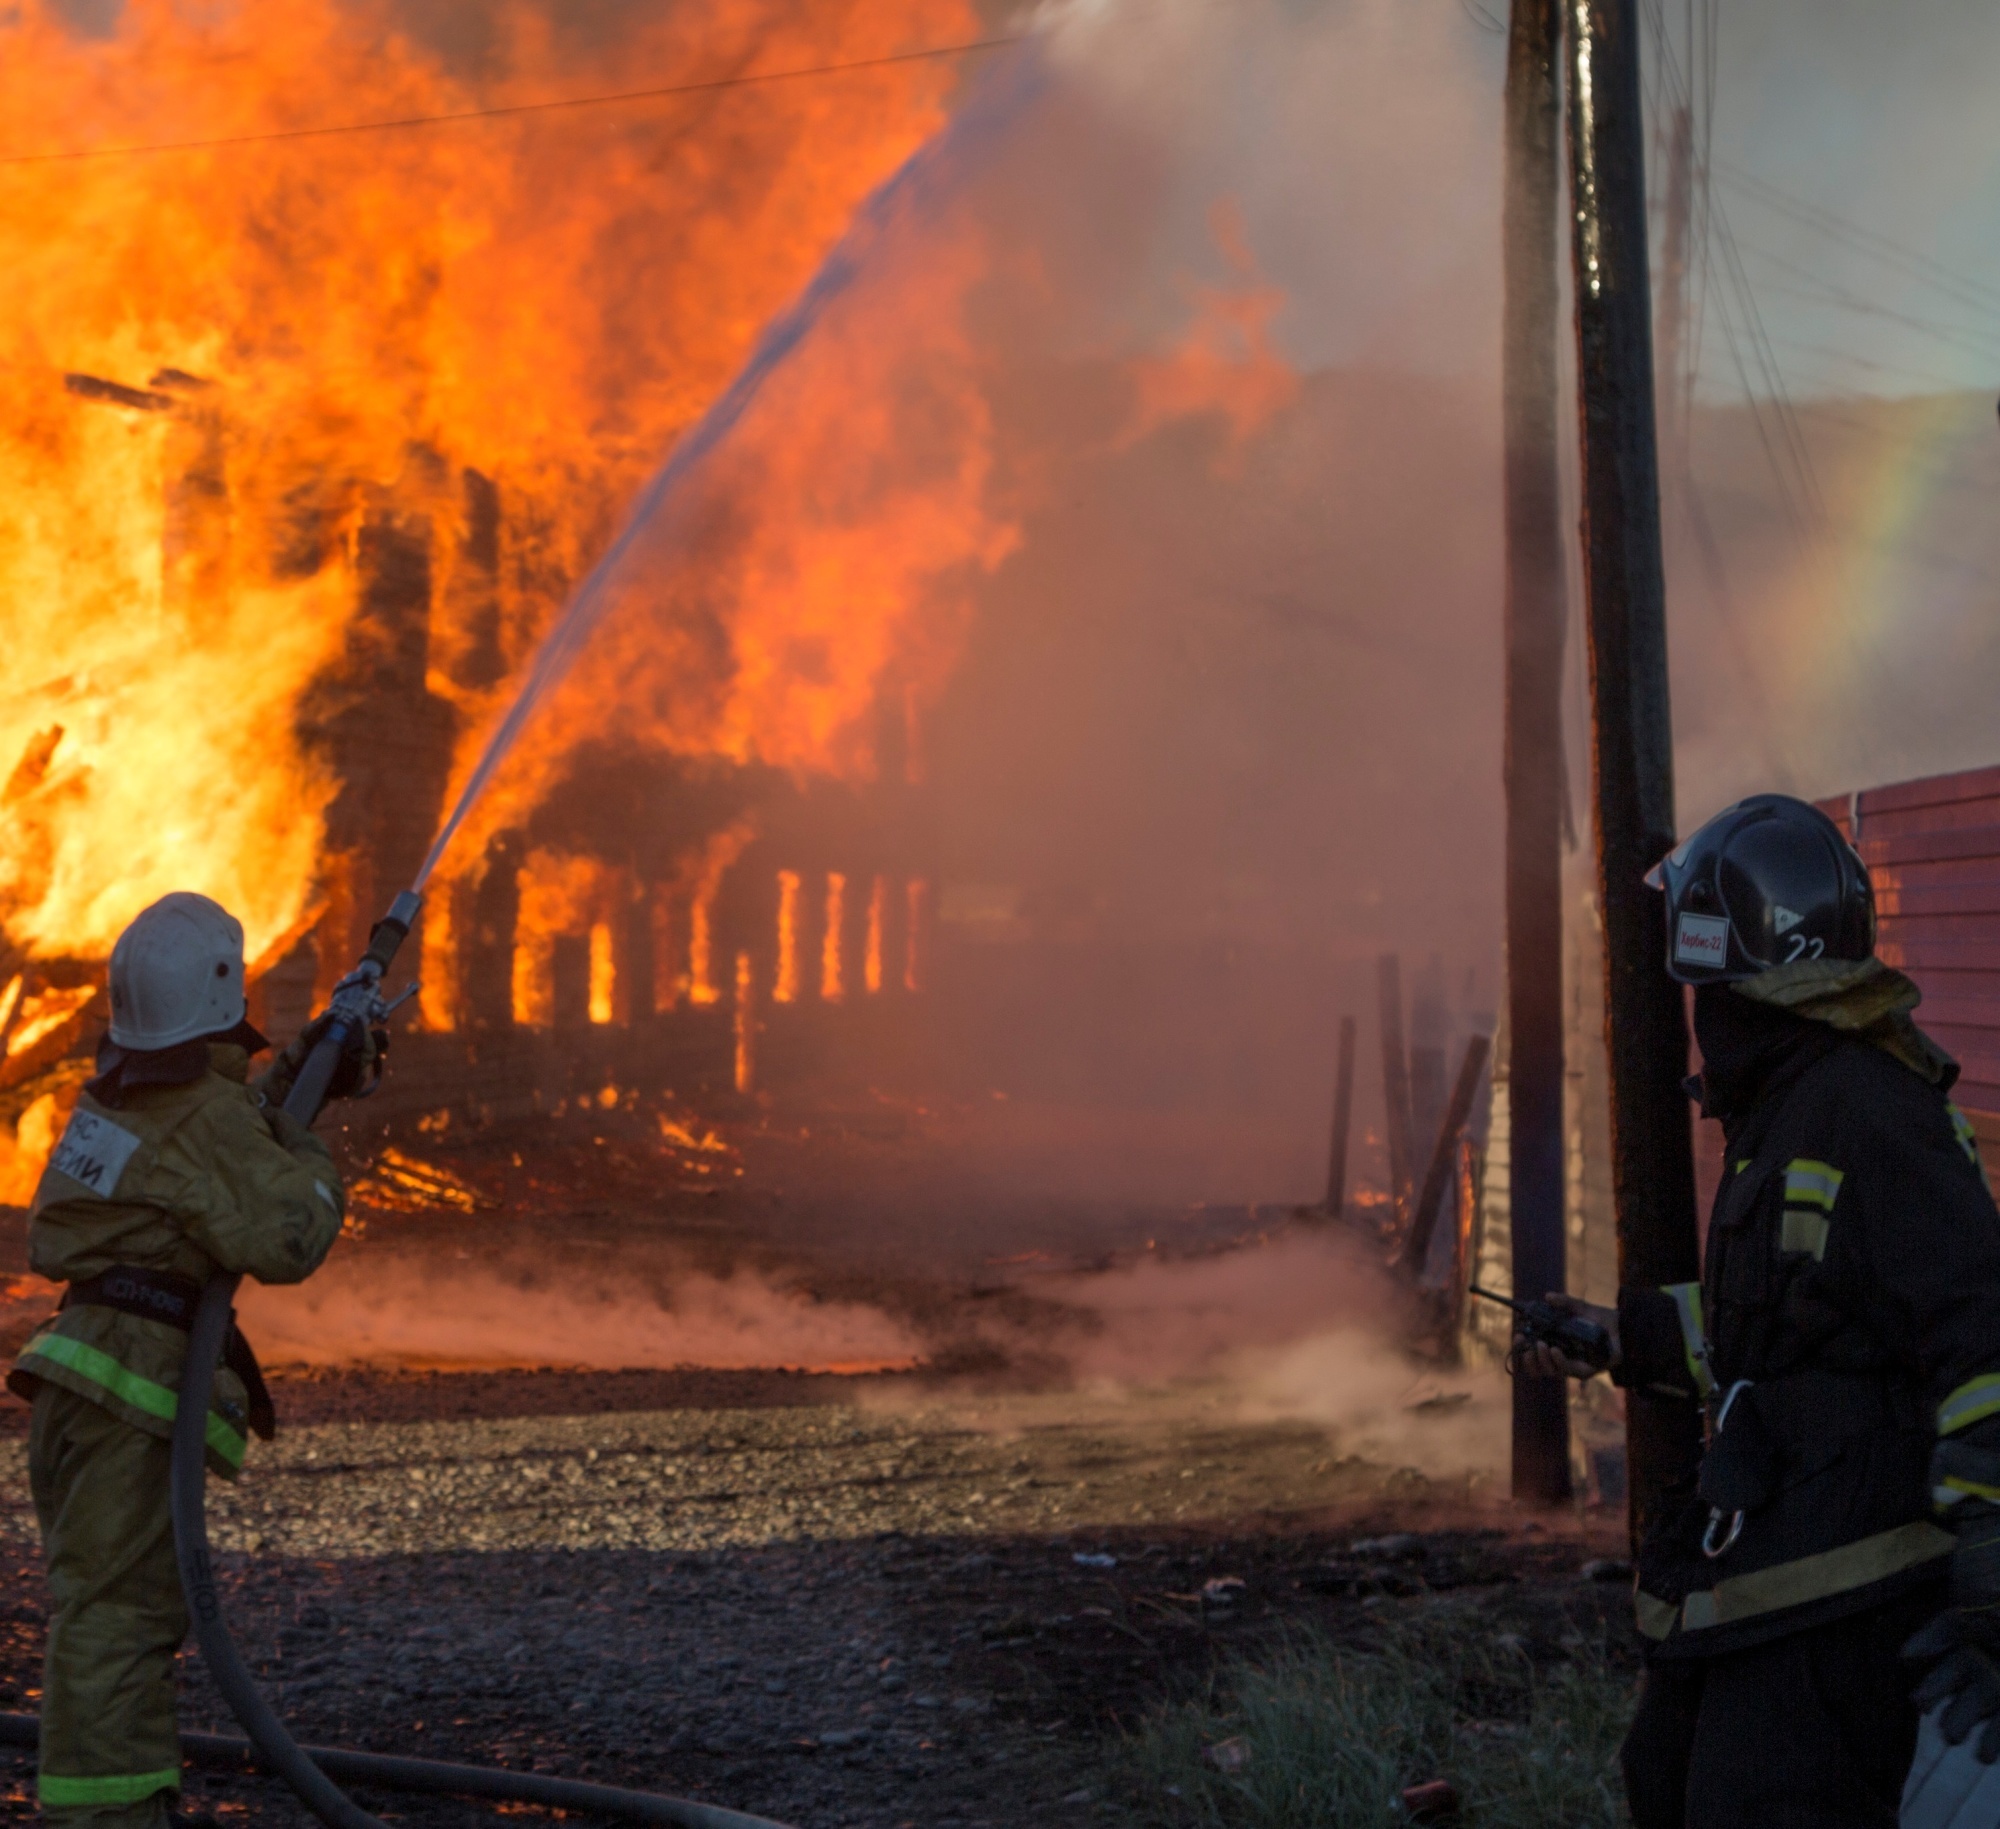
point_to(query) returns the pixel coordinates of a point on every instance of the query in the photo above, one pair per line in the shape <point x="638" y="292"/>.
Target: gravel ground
<point x="938" y="1597"/>
<point x="831" y="1602"/>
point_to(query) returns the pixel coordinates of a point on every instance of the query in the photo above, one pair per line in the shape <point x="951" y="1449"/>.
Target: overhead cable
<point x="667" y="91"/>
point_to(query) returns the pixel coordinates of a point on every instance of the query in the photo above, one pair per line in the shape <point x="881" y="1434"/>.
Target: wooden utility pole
<point x="1632" y="755"/>
<point x="1534" y="743"/>
<point x="1343" y="1112"/>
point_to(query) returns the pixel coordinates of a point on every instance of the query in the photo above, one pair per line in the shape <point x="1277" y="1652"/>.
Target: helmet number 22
<point x="1802" y="948"/>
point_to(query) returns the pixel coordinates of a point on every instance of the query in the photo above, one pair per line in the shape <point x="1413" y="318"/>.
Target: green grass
<point x="1335" y="1733"/>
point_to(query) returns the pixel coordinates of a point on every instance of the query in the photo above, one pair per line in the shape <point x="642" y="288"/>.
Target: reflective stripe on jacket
<point x="188" y="1179"/>
<point x="1850" y="1289"/>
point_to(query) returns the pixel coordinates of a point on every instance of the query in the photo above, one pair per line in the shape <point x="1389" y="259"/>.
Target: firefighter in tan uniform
<point x="173" y="1166"/>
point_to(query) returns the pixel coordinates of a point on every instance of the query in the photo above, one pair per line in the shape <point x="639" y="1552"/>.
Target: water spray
<point x="921" y="184"/>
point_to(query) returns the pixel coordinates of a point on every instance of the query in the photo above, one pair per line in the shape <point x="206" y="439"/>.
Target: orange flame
<point x="746" y="1024"/>
<point x="273" y="349"/>
<point x="871" y="959"/>
<point x="786" y="989"/>
<point x="832" y="959"/>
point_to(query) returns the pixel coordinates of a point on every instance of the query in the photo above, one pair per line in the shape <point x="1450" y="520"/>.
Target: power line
<point x="753" y="80"/>
<point x="1909" y="261"/>
<point x="1820" y="291"/>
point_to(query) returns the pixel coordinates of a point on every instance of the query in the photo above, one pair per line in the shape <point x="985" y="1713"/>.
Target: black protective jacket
<point x="1849" y="1319"/>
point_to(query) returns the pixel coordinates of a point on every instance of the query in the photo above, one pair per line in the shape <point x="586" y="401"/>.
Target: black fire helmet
<point x="1762" y="884"/>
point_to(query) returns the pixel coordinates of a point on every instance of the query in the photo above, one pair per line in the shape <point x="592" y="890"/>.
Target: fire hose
<point x="311" y="1772"/>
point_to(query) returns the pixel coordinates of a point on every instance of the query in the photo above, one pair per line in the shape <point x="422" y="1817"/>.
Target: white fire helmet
<point x="177" y="973"/>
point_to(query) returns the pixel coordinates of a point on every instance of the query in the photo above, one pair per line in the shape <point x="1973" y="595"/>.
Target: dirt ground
<point x="929" y="1596"/>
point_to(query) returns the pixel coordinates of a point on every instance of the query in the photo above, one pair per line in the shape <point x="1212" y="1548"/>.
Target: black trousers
<point x="1812" y="1731"/>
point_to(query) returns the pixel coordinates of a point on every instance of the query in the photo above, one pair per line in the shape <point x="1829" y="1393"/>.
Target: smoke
<point x="1301" y="1328"/>
<point x="1297" y="1329"/>
<point x="466" y="1315"/>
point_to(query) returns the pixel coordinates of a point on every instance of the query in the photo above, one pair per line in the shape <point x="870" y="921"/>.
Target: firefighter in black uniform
<point x="1843" y="1536"/>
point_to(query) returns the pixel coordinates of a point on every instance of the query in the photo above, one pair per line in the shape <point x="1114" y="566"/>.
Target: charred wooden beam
<point x="116" y="393"/>
<point x="1444" y="1157"/>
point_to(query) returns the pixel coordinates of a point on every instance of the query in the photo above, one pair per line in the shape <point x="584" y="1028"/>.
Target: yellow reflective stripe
<point x="1655" y="1616"/>
<point x="1804" y="1231"/>
<point x="1975" y="1398"/>
<point x="141" y="1393"/>
<point x="1968" y="1138"/>
<point x="1792" y="1584"/>
<point x="116" y="1788"/>
<point x="1949" y="1491"/>
<point x="1812" y="1184"/>
<point x="1694" y="1335"/>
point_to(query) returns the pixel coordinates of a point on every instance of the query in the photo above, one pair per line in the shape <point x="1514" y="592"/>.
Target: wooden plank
<point x="1921" y="934"/>
<point x="1967" y="1011"/>
<point x="1935" y="873"/>
<point x="1976" y="895"/>
<point x="1978" y="1098"/>
<point x="1927" y="953"/>
<point x="1977" y="1051"/>
<point x="1952" y="816"/>
<point x="1929" y="847"/>
<point x="1930" y="791"/>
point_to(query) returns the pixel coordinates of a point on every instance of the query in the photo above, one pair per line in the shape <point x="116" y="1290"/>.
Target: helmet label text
<point x="1702" y="940"/>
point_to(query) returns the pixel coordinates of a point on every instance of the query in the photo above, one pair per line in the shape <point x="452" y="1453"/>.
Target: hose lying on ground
<point x="310" y="1771"/>
<point x="218" y="1752"/>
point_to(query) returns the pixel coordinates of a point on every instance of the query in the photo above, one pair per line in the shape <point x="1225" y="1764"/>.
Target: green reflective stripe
<point x="1968" y="1138"/>
<point x="1812" y="1184"/>
<point x="128" y="1387"/>
<point x="1975" y="1398"/>
<point x="1804" y="1230"/>
<point x="1694" y="1334"/>
<point x="1743" y="1162"/>
<point x="117" y="1788"/>
<point x="1839" y="1571"/>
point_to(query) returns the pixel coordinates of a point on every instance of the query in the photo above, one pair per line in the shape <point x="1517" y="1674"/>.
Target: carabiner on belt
<point x="1709" y="1547"/>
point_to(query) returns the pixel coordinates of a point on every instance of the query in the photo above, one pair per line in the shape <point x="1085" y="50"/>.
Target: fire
<point x="871" y="960"/>
<point x="746" y="1024"/>
<point x="832" y="959"/>
<point x="786" y="989"/>
<point x="250" y="392"/>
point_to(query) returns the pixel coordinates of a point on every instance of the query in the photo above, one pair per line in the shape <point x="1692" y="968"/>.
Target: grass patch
<point x="1330" y="1735"/>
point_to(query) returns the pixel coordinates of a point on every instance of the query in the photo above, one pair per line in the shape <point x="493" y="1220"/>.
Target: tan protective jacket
<point x="188" y="1179"/>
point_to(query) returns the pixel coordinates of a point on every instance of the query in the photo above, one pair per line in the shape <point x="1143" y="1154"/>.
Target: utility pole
<point x="1632" y="756"/>
<point x="1534" y="744"/>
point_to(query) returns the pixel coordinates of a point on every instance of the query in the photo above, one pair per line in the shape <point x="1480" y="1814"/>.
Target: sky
<point x="1856" y="173"/>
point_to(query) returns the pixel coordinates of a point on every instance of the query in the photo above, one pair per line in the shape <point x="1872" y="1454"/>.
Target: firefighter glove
<point x="360" y="1062"/>
<point x="1962" y="1645"/>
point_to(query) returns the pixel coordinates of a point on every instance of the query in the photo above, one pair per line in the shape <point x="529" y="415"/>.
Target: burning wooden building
<point x="643" y="917"/>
